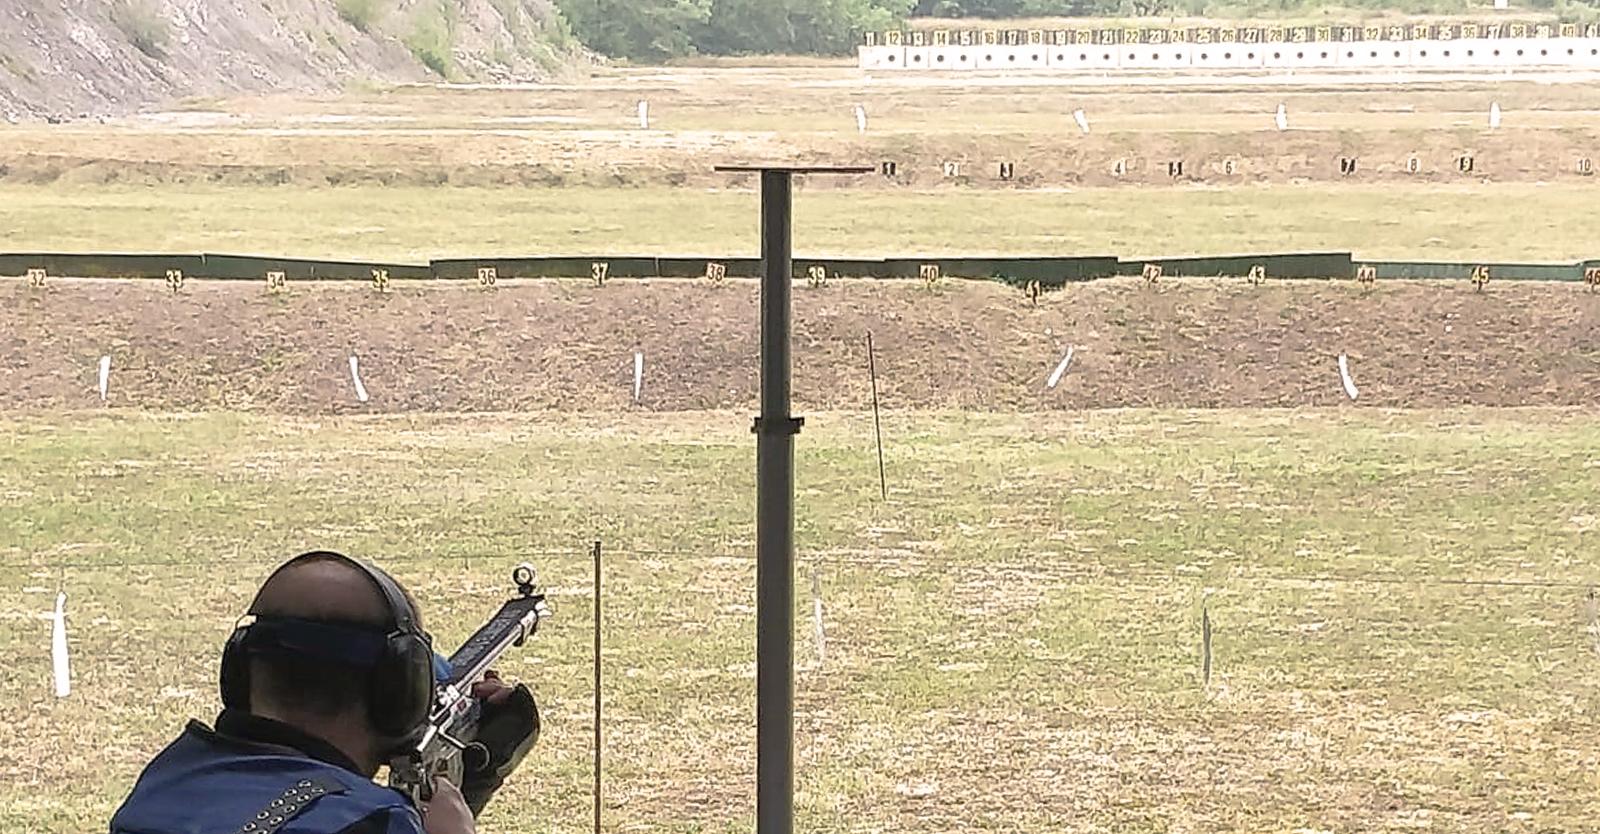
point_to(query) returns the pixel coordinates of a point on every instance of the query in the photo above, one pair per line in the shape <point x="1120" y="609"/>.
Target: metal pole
<point x="877" y="428"/>
<point x="775" y="431"/>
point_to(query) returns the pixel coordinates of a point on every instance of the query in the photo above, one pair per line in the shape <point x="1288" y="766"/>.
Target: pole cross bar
<point x="775" y="430"/>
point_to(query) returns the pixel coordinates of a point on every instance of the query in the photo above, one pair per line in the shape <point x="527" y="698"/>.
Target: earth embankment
<point x="565" y="345"/>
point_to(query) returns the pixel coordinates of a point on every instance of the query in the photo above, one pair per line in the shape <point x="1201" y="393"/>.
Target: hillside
<point x="61" y="61"/>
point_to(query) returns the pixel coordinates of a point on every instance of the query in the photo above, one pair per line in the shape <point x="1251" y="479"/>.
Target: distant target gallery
<point x="1464" y="45"/>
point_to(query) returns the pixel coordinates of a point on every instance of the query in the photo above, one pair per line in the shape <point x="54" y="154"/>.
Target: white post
<point x="1060" y="369"/>
<point x="1283" y="117"/>
<point x="644" y="115"/>
<point x="1082" y="120"/>
<point x="105" y="376"/>
<point x="1494" y="115"/>
<point x="355" y="376"/>
<point x="816" y="616"/>
<point x="861" y="119"/>
<point x="58" y="648"/>
<point x="638" y="374"/>
<point x="1344" y="373"/>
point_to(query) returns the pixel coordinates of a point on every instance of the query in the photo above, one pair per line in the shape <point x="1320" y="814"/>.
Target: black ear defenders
<point x="398" y="657"/>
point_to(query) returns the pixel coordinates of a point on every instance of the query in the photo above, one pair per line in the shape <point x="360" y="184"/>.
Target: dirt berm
<point x="568" y="346"/>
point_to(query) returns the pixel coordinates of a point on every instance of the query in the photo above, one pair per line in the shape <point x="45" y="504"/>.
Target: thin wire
<point x="1056" y="569"/>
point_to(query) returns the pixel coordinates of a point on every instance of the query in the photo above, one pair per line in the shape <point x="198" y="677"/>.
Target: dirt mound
<point x="565" y="345"/>
<point x="322" y="157"/>
<point x="63" y="61"/>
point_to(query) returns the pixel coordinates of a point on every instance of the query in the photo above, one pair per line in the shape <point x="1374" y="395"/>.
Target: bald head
<point x="324" y="588"/>
<point x="304" y="681"/>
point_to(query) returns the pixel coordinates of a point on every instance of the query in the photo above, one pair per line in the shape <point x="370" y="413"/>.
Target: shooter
<point x="329" y="676"/>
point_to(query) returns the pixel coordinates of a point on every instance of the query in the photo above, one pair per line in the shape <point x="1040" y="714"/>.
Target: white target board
<point x="882" y="57"/>
<point x="1216" y="55"/>
<point x="1320" y="55"/>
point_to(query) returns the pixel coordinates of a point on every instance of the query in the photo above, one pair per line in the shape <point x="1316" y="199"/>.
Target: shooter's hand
<point x="446" y="812"/>
<point x="508" y="728"/>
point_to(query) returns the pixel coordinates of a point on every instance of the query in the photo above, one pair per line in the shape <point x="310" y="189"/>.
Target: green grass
<point x="1457" y="223"/>
<point x="1012" y="638"/>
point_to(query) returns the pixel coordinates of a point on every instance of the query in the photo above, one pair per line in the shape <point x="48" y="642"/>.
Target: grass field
<point x="1012" y="639"/>
<point x="1511" y="221"/>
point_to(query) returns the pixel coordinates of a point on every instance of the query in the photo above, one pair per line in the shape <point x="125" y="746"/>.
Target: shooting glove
<point x="507" y="730"/>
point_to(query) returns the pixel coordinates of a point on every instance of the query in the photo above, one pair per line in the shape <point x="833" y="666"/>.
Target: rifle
<point x="448" y="744"/>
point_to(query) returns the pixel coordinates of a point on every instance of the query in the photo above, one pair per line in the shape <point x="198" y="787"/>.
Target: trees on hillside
<point x="653" y="30"/>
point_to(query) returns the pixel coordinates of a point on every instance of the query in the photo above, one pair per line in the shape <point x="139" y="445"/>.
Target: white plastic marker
<point x="1344" y="372"/>
<point x="1283" y="117"/>
<point x="638" y="374"/>
<point x="861" y="119"/>
<point x="1082" y="120"/>
<point x="355" y="375"/>
<point x="58" y="648"/>
<point x="105" y="376"/>
<point x="644" y="115"/>
<point x="1060" y="369"/>
<point x="1494" y="115"/>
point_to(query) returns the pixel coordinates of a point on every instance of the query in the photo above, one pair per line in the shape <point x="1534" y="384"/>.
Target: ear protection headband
<point x="398" y="657"/>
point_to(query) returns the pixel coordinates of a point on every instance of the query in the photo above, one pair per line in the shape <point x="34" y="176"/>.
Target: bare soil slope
<point x="565" y="345"/>
<point x="72" y="60"/>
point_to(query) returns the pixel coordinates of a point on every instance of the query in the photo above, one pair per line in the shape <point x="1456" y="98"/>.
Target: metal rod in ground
<point x="775" y="431"/>
<point x="597" y="687"/>
<point x="1205" y="645"/>
<point x="877" y="427"/>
